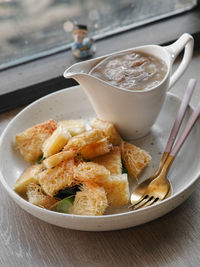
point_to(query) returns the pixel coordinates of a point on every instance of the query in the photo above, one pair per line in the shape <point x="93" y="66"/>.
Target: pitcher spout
<point x="98" y="91"/>
<point x="73" y="72"/>
<point x="79" y="75"/>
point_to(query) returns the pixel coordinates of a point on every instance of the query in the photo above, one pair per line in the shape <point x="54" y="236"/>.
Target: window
<point x="30" y="29"/>
<point x="35" y="48"/>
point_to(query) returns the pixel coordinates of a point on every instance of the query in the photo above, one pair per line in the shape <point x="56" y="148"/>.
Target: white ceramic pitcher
<point x="133" y="112"/>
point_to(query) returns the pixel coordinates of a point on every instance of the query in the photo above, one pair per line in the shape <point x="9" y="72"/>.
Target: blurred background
<point x="33" y="28"/>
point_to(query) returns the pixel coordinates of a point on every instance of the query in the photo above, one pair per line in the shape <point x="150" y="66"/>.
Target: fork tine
<point x="158" y="200"/>
<point x="141" y="203"/>
<point x="151" y="200"/>
<point x="149" y="203"/>
<point x="142" y="198"/>
<point x="136" y="200"/>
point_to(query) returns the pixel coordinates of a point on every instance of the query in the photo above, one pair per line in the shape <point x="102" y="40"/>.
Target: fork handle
<point x="186" y="131"/>
<point x="184" y="104"/>
<point x="186" y="99"/>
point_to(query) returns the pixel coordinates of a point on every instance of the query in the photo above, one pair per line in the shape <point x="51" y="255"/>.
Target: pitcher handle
<point x="185" y="41"/>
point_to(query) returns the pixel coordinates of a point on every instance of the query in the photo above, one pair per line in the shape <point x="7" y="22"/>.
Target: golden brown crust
<point x="91" y="200"/>
<point x="96" y="149"/>
<point x="134" y="158"/>
<point x="38" y="198"/>
<point x="60" y="177"/>
<point x="31" y="140"/>
<point x="79" y="141"/>
<point x="91" y="172"/>
<point x="116" y="186"/>
<point x="117" y="189"/>
<point x="56" y="141"/>
<point x="108" y="129"/>
<point x="101" y="179"/>
<point x="57" y="158"/>
<point x="29" y="175"/>
<point x="112" y="161"/>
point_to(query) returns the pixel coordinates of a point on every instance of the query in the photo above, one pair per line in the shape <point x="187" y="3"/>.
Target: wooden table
<point x="173" y="240"/>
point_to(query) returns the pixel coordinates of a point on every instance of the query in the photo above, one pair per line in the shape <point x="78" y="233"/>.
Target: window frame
<point x="34" y="79"/>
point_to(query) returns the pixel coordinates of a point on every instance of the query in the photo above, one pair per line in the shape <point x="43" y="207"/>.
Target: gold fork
<point x="157" y="187"/>
<point x="140" y="190"/>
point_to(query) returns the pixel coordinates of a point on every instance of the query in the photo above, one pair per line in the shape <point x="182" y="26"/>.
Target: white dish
<point x="72" y="103"/>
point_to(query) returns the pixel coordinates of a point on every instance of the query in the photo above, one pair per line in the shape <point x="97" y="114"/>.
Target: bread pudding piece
<point x="79" y="141"/>
<point x="54" y="179"/>
<point x="75" y="127"/>
<point x="116" y="186"/>
<point x="57" y="158"/>
<point x="96" y="149"/>
<point x="112" y="161"/>
<point x="108" y="130"/>
<point x="38" y="198"/>
<point x="31" y="140"/>
<point x="134" y="158"/>
<point x="56" y="141"/>
<point x="91" y="200"/>
<point x="29" y="175"/>
<point x="91" y="172"/>
<point x="117" y="190"/>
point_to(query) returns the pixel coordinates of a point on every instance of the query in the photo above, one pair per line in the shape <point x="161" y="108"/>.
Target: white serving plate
<point x="73" y="104"/>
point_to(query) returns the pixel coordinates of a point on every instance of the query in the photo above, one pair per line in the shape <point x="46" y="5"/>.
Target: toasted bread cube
<point x="112" y="161"/>
<point x="56" y="159"/>
<point x="116" y="186"/>
<point x="54" y="179"/>
<point x="56" y="141"/>
<point x="75" y="127"/>
<point x="31" y="140"/>
<point x="96" y="149"/>
<point x="91" y="200"/>
<point x="78" y="142"/>
<point x="117" y="190"/>
<point x="38" y="198"/>
<point x="91" y="172"/>
<point x="108" y="129"/>
<point x="134" y="158"/>
<point x="29" y="175"/>
<point x="78" y="159"/>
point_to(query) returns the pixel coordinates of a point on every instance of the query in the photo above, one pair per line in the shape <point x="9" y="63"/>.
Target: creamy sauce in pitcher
<point x="131" y="70"/>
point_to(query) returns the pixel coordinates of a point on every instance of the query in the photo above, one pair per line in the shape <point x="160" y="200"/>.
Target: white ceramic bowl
<point x="73" y="104"/>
